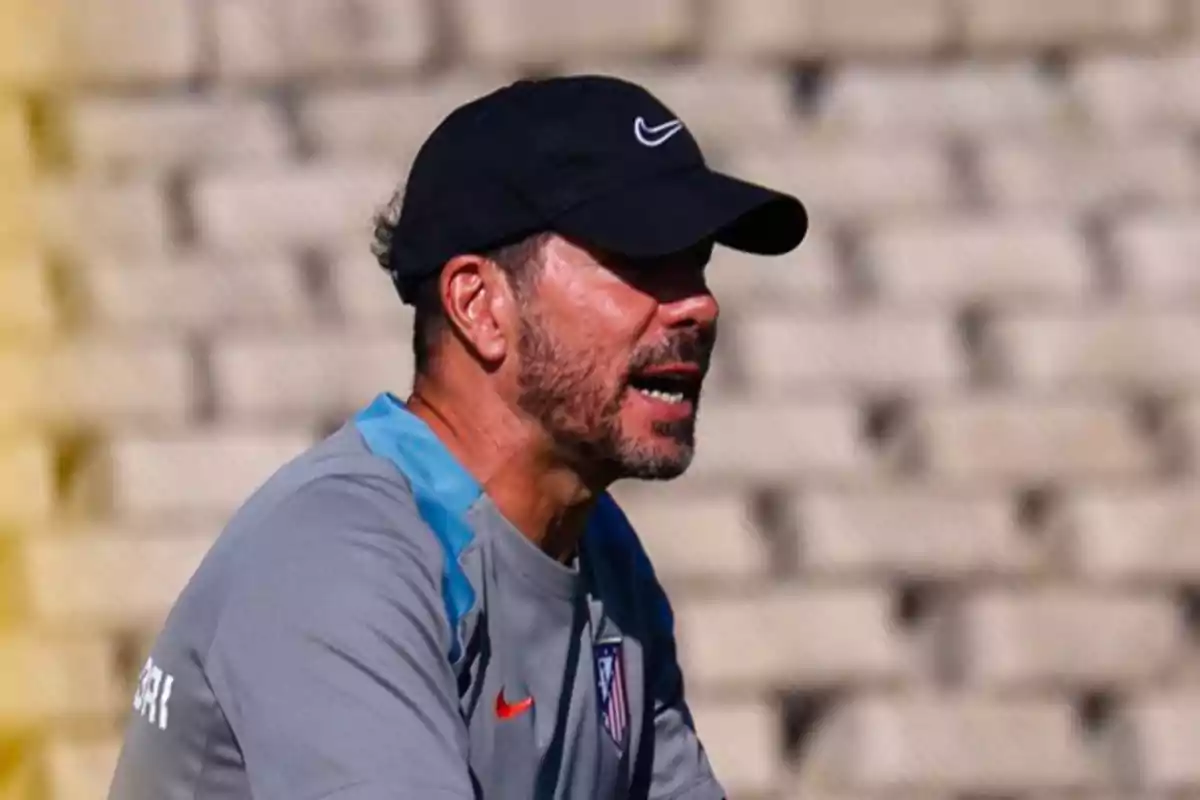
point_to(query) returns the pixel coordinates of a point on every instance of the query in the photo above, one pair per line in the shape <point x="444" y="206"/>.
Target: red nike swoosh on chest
<point x="506" y="710"/>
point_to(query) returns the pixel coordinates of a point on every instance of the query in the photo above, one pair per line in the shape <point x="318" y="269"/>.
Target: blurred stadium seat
<point x="942" y="536"/>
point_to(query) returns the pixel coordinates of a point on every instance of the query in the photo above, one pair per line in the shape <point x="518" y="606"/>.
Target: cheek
<point x="609" y="320"/>
<point x="600" y="349"/>
<point x="591" y="351"/>
<point x="597" y="320"/>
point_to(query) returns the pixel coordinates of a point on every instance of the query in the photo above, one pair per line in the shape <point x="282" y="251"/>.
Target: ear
<point x="479" y="305"/>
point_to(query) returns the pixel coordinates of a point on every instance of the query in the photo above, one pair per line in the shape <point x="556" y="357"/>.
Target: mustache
<point x="693" y="347"/>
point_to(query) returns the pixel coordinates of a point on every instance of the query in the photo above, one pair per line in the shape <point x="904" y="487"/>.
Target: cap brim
<point x="673" y="212"/>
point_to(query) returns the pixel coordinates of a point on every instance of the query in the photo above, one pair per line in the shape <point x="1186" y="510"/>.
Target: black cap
<point x="594" y="158"/>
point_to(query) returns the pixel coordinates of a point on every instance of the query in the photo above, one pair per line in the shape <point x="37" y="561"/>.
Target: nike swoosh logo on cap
<point x="656" y="135"/>
<point x="505" y="710"/>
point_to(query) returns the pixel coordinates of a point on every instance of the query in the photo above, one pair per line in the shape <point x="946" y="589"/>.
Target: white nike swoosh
<point x="656" y="135"/>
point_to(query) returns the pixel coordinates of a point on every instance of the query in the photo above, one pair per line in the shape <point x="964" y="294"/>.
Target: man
<point x="440" y="600"/>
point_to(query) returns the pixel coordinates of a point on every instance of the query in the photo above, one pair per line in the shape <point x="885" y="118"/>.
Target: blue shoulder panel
<point x="608" y="523"/>
<point x="443" y="490"/>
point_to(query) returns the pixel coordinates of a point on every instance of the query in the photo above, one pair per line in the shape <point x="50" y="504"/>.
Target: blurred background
<point x="942" y="538"/>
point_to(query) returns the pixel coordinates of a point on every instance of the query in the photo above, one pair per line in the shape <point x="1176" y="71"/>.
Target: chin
<point x="660" y="472"/>
<point x="657" y="461"/>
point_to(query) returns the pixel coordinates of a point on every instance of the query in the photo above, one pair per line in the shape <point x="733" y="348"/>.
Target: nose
<point x="697" y="308"/>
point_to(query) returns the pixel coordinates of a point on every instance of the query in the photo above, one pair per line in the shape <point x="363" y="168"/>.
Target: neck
<point x="545" y="499"/>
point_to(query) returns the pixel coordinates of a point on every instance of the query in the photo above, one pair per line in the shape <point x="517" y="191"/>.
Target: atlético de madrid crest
<point x="610" y="681"/>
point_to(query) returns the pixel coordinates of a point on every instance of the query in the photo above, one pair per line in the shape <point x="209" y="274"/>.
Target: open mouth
<point x="668" y="385"/>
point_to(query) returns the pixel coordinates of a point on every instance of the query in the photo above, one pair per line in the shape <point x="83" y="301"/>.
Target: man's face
<point x="612" y="356"/>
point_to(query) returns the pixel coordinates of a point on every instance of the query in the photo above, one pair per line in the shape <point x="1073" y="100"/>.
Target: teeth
<point x="666" y="397"/>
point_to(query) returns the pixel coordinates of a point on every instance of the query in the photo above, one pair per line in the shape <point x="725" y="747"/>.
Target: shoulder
<point x="338" y="496"/>
<point x="336" y="521"/>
